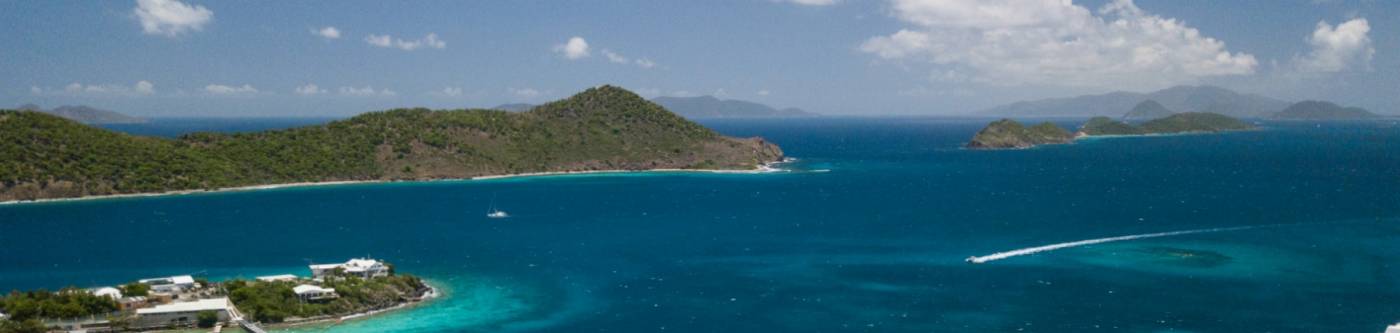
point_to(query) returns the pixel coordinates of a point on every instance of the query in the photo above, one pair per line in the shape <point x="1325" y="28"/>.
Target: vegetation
<point x="43" y="156"/>
<point x="1319" y="110"/>
<point x="1194" y="122"/>
<point x="1148" y="109"/>
<point x="273" y="302"/>
<point x="135" y="289"/>
<point x="1007" y="133"/>
<point x="43" y="304"/>
<point x="206" y="319"/>
<point x="1107" y="126"/>
<point x="22" y="326"/>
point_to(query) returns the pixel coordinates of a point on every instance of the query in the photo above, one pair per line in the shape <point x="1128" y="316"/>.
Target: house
<point x="110" y="292"/>
<point x="277" y="278"/>
<point x="182" y="313"/>
<point x="309" y="293"/>
<point x="173" y="284"/>
<point x="131" y="302"/>
<point x="361" y="267"/>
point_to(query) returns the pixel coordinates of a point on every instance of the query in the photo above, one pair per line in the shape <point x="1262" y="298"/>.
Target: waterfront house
<point x="182" y="313"/>
<point x="308" y="293"/>
<point x="110" y="292"/>
<point x="361" y="267"/>
<point x="173" y="284"/>
<point x="277" y="278"/>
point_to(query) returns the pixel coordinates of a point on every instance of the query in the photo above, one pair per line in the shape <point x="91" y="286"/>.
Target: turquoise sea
<point x="866" y="233"/>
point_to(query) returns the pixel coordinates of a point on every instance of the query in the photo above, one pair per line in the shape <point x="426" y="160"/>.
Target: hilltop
<point x="86" y="114"/>
<point x="1180" y="99"/>
<point x="603" y="128"/>
<point x="706" y="107"/>
<point x="1319" y="110"/>
<point x="1007" y="133"/>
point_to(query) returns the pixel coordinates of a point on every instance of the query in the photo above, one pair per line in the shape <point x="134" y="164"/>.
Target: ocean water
<point x="866" y="233"/>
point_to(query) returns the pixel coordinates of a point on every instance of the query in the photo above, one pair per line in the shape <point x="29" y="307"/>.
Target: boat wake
<point x="1052" y="247"/>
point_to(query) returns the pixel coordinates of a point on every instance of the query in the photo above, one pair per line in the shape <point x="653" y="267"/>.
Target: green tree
<point x="207" y="319"/>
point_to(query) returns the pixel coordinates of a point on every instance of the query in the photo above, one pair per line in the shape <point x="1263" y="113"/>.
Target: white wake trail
<point x="1052" y="247"/>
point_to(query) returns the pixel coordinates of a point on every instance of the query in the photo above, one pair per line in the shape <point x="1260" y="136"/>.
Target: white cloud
<point x="1338" y="48"/>
<point x="327" y="32"/>
<point x="645" y="63"/>
<point x="448" y="92"/>
<point x="764" y="92"/>
<point x="309" y="89"/>
<point x="614" y="57"/>
<point x="171" y="17"/>
<point x="575" y="48"/>
<point x="1055" y="43"/>
<point x="140" y="88"/>
<point x="813" y="2"/>
<point x="429" y="41"/>
<point x="367" y="91"/>
<point x="219" y="89"/>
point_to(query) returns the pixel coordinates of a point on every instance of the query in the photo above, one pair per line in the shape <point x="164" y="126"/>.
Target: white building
<point x="173" y="284"/>
<point x="110" y="292"/>
<point x="308" y="292"/>
<point x="362" y="267"/>
<point x="277" y="278"/>
<point x="1393" y="328"/>
<point x="181" y="313"/>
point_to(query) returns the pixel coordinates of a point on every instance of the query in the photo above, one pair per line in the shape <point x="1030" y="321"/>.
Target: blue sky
<point x="194" y="58"/>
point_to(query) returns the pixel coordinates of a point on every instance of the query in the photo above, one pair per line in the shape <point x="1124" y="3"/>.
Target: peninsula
<point x="1007" y="133"/>
<point x="603" y="128"/>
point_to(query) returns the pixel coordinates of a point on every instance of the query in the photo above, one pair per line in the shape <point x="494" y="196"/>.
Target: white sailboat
<point x="496" y="213"/>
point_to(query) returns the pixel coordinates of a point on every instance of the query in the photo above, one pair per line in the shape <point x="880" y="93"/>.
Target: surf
<point x="1065" y="245"/>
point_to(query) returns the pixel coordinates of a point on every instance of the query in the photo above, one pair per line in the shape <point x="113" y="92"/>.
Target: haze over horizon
<point x="187" y="58"/>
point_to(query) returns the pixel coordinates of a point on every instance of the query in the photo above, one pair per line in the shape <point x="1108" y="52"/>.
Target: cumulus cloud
<point x="219" y="89"/>
<point x="764" y="92"/>
<point x="140" y="88"/>
<point x="309" y="89"/>
<point x="614" y="57"/>
<point x="1338" y="48"/>
<point x="617" y="58"/>
<point x="327" y="32"/>
<point x="429" y="41"/>
<point x="575" y="48"/>
<point x="366" y="91"/>
<point x="645" y="63"/>
<point x="171" y="17"/>
<point x="1056" y="43"/>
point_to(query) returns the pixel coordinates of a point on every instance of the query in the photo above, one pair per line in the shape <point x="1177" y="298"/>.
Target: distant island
<point x="85" y="114"/>
<point x="1179" y="99"/>
<point x="603" y="128"/>
<point x="709" y="107"/>
<point x="1320" y="110"/>
<point x="1007" y="133"/>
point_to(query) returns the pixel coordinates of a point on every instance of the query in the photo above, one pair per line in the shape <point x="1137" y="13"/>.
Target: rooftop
<point x="182" y="279"/>
<point x="210" y="304"/>
<point x="281" y="277"/>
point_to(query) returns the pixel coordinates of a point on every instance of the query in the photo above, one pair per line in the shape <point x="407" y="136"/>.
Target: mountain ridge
<point x="1179" y="99"/>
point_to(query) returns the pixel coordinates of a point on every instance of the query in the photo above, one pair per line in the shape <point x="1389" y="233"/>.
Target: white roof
<point x="182" y="279"/>
<point x="282" y="277"/>
<point x="306" y="288"/>
<point x="209" y="304"/>
<point x="107" y="291"/>
<point x="354" y="265"/>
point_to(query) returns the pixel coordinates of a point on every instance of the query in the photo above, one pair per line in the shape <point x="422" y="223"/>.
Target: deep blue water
<point x="874" y="244"/>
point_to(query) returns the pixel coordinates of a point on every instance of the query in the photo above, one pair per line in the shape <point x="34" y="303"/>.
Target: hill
<point x="603" y="128"/>
<point x="86" y="114"/>
<point x="1107" y="126"/>
<point x="514" y="107"/>
<point x="1179" y="98"/>
<point x="1319" y="110"/>
<point x="1147" y="110"/>
<point x="1194" y="122"/>
<point x="707" y="107"/>
<point x="1007" y="133"/>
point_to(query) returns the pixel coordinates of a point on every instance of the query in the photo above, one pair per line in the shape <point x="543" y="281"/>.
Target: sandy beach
<point x="763" y="168"/>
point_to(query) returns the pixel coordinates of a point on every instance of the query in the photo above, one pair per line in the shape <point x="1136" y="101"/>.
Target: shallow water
<point x="875" y="244"/>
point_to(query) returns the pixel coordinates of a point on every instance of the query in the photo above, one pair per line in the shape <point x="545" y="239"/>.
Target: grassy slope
<point x="42" y="156"/>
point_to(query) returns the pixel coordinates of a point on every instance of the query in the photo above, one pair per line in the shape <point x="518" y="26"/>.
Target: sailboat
<point x="496" y="213"/>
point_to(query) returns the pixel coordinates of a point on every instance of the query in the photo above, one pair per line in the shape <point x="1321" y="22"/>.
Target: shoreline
<point x="432" y="294"/>
<point x="761" y="169"/>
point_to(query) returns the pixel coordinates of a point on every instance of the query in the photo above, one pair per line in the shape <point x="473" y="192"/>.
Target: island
<point x="1320" y="110"/>
<point x="1147" y="110"/>
<point x="710" y="107"/>
<point x="1006" y="133"/>
<point x="338" y="291"/>
<point x="85" y="114"/>
<point x="603" y="128"/>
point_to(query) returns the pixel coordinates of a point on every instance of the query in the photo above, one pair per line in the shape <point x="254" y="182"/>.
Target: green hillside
<point x="43" y="156"/>
<point x="1007" y="133"/>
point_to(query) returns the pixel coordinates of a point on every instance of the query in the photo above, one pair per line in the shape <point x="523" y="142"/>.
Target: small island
<point x="1320" y="110"/>
<point x="43" y="156"/>
<point x="337" y="291"/>
<point x="1006" y="133"/>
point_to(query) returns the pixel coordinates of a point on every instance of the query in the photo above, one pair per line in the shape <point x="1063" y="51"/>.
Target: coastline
<point x="432" y="294"/>
<point x="762" y="168"/>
